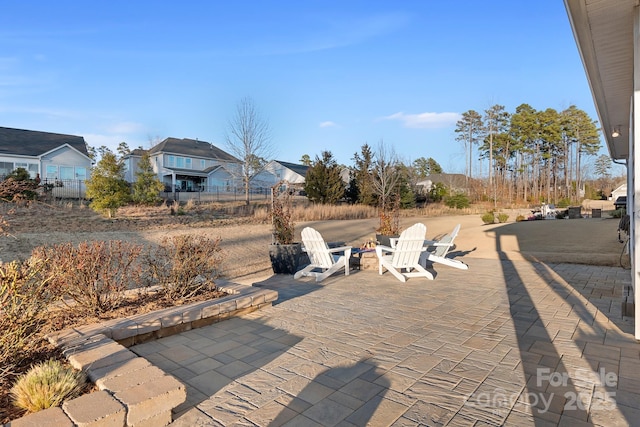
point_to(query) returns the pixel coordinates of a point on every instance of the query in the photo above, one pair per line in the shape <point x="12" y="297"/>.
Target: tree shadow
<point x="289" y="288"/>
<point x="209" y="359"/>
<point x="350" y="394"/>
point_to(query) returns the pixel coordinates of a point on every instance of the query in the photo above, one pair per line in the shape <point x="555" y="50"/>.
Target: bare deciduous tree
<point x="249" y="138"/>
<point x="385" y="174"/>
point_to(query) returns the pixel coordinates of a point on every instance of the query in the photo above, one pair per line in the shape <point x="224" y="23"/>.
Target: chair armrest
<point x="436" y="243"/>
<point x="380" y="248"/>
<point x="341" y="249"/>
<point x="345" y="249"/>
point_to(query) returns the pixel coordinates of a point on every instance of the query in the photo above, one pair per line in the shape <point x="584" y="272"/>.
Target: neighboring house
<point x="276" y="171"/>
<point x="455" y="182"/>
<point x="51" y="156"/>
<point x="345" y="174"/>
<point x="189" y="165"/>
<point x="620" y="191"/>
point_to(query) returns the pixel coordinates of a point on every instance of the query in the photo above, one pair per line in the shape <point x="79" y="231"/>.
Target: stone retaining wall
<point x="133" y="392"/>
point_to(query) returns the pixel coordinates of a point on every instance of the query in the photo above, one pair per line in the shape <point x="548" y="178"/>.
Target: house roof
<point x="192" y="147"/>
<point x="297" y="168"/>
<point x="21" y="142"/>
<point x="604" y="33"/>
<point x="450" y="179"/>
<point x="138" y="152"/>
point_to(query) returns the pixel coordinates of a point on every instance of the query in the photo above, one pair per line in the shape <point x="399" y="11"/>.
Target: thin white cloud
<point x="425" y="120"/>
<point x="333" y="33"/>
<point x="328" y="124"/>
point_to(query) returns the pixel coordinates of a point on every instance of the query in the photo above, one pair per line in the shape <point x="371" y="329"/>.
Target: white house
<point x="276" y="171"/>
<point x="455" y="182"/>
<point x="620" y="191"/>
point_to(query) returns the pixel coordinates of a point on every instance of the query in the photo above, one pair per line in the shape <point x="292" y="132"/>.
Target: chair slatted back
<point x="409" y="246"/>
<point x="441" y="251"/>
<point x="316" y="248"/>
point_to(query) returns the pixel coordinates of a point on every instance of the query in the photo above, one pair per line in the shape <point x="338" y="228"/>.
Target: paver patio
<point x="505" y="343"/>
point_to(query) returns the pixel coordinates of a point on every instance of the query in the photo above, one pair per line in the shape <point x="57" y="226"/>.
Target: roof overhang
<point x="604" y="33"/>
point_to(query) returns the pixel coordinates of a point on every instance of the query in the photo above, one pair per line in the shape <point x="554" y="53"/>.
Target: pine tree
<point x="323" y="183"/>
<point x="107" y="188"/>
<point x="147" y="187"/>
<point x="362" y="182"/>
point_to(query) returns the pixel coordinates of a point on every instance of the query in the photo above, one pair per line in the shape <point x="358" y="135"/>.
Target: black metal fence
<point x="77" y="189"/>
<point x="64" y="188"/>
<point x="218" y="194"/>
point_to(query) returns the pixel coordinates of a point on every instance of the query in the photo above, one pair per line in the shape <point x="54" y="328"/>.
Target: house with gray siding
<point x="189" y="165"/>
<point x="51" y="156"/>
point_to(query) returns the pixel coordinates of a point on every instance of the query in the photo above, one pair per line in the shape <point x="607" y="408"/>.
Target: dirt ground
<point x="245" y="243"/>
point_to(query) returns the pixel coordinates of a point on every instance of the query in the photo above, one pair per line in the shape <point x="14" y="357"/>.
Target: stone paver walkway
<point x="504" y="343"/>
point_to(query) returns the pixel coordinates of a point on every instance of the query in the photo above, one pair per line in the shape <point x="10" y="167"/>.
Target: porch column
<point x="633" y="172"/>
<point x="173" y="184"/>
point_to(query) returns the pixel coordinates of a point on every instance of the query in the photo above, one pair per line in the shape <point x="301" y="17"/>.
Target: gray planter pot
<point x="384" y="239"/>
<point x="284" y="258"/>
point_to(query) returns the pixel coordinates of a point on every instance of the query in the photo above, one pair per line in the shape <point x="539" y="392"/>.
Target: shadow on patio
<point x="578" y="353"/>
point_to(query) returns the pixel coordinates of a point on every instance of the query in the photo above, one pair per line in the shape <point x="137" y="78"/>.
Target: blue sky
<point x="325" y="75"/>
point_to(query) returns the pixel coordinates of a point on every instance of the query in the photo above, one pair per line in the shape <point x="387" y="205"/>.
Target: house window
<point x="52" y="172"/>
<point x="203" y="164"/>
<point x="66" y="172"/>
<point x="81" y="173"/>
<point x="6" y="168"/>
<point x="187" y="163"/>
<point x="180" y="162"/>
<point x="171" y="161"/>
<point x="32" y="168"/>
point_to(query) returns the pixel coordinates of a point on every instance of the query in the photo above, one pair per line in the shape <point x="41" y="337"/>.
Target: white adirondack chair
<point x="441" y="249"/>
<point x="324" y="260"/>
<point x="403" y="260"/>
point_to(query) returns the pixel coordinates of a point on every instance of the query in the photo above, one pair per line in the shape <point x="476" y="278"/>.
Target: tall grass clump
<point x="503" y="217"/>
<point x="184" y="265"/>
<point x="23" y="302"/>
<point x="303" y="212"/>
<point x="95" y="275"/>
<point x="47" y="384"/>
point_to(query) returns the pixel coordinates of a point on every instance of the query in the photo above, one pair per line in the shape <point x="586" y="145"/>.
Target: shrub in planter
<point x="502" y="217"/>
<point x="389" y="226"/>
<point x="283" y="252"/>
